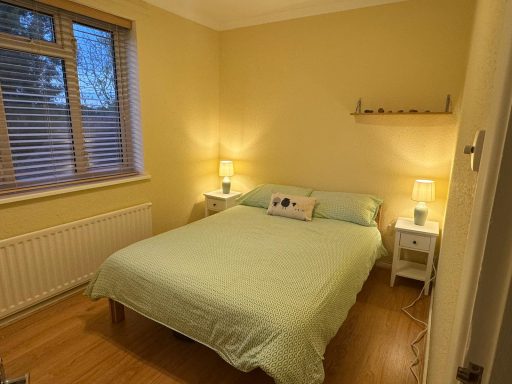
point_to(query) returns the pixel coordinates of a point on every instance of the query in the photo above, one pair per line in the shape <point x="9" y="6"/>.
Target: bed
<point x="262" y="291"/>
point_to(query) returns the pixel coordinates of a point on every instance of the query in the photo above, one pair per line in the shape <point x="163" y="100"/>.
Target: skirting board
<point x="383" y="264"/>
<point x="42" y="305"/>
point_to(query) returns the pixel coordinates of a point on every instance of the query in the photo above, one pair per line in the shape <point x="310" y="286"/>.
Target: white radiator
<point x="39" y="265"/>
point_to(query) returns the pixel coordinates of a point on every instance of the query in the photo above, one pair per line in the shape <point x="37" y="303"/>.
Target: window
<point x="65" y="108"/>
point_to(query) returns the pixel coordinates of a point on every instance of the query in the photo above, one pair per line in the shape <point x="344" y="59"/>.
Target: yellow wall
<point x="287" y="89"/>
<point x="179" y="92"/>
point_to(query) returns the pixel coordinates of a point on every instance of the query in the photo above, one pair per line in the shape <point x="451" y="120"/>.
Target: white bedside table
<point x="418" y="238"/>
<point x="218" y="201"/>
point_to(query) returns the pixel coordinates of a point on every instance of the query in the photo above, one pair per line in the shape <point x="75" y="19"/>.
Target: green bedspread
<point x="262" y="291"/>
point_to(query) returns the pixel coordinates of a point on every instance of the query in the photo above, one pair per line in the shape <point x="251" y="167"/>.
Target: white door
<point x="483" y="323"/>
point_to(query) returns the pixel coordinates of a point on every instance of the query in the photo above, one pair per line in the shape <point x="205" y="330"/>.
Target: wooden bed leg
<point x="116" y="311"/>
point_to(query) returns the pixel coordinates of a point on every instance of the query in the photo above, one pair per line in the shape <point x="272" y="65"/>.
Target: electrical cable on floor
<point x="421" y="334"/>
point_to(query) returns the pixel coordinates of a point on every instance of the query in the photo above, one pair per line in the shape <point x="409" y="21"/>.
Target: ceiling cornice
<point x="187" y="10"/>
<point x="198" y="11"/>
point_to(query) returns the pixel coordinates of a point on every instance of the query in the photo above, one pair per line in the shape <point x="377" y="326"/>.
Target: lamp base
<point x="420" y="213"/>
<point x="226" y="185"/>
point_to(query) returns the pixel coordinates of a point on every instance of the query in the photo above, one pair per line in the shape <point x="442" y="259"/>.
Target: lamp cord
<point x="422" y="333"/>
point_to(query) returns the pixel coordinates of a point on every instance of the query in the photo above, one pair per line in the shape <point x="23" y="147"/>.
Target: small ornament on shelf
<point x="358" y="106"/>
<point x="448" y="105"/>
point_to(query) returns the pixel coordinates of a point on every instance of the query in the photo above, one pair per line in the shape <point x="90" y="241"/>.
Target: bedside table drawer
<point x="217" y="201"/>
<point x="419" y="242"/>
<point x="216" y="205"/>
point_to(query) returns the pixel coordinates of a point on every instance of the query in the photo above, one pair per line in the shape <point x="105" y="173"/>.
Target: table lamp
<point x="226" y="170"/>
<point x="423" y="192"/>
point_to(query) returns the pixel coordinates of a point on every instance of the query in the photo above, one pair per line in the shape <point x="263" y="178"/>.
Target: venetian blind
<point x="68" y="102"/>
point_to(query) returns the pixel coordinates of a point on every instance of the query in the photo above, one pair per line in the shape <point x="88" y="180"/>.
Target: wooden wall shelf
<point x="360" y="111"/>
<point x="405" y="119"/>
<point x="400" y="113"/>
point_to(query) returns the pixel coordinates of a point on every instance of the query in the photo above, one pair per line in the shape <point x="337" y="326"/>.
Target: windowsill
<point x="75" y="188"/>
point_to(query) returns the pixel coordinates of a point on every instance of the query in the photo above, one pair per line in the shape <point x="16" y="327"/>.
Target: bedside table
<point x="218" y="201"/>
<point x="420" y="238"/>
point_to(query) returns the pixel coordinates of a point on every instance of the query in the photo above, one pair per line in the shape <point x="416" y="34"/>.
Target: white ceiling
<point x="229" y="14"/>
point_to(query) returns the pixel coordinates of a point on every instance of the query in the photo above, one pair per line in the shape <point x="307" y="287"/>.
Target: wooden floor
<point x="74" y="342"/>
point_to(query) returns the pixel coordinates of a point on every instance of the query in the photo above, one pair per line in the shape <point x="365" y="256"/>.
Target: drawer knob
<point x="414" y="241"/>
<point x="215" y="204"/>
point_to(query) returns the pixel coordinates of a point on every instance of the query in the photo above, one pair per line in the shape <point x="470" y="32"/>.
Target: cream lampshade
<point x="423" y="192"/>
<point x="226" y="170"/>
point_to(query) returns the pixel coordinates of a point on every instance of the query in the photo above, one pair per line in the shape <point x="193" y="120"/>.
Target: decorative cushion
<point x="294" y="207"/>
<point x="260" y="196"/>
<point x="354" y="207"/>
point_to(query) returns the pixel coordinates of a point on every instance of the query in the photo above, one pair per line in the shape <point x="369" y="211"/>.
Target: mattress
<point x="262" y="291"/>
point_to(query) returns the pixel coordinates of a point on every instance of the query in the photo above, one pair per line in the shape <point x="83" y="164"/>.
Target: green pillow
<point x="354" y="207"/>
<point x="260" y="196"/>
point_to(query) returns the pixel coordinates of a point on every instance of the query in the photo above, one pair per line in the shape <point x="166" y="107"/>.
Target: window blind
<point x="68" y="104"/>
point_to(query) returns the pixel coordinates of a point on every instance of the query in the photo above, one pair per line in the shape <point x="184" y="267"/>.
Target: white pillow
<point x="294" y="207"/>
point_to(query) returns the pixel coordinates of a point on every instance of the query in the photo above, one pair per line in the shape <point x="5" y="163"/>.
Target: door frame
<point x="475" y="258"/>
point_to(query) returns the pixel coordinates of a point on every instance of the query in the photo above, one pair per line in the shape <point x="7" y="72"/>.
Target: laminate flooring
<point x="73" y="341"/>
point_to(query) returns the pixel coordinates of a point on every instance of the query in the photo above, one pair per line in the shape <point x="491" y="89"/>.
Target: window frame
<point x="64" y="48"/>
